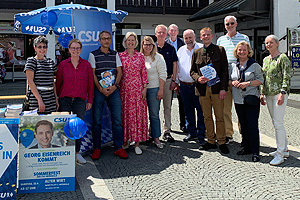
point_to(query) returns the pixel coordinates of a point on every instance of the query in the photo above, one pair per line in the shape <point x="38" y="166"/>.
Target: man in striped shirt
<point x="229" y="41"/>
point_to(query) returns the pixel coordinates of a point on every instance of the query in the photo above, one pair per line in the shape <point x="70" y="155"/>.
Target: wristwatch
<point x="283" y="92"/>
<point x="117" y="85"/>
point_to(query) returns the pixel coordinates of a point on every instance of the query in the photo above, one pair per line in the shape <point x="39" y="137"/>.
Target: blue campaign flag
<point x="88" y="26"/>
<point x="8" y="158"/>
<point x="60" y="18"/>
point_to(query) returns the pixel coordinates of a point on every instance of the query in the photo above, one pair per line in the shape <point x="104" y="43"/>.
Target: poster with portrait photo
<point x="46" y="155"/>
<point x="107" y="79"/>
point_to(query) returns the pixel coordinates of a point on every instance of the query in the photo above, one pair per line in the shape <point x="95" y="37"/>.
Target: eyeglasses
<point x="42" y="47"/>
<point x="231" y="23"/>
<point x="75" y="48"/>
<point x="148" y="45"/>
<point x="108" y="38"/>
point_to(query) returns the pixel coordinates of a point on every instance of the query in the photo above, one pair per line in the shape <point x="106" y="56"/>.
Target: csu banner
<point x="8" y="158"/>
<point x="89" y="25"/>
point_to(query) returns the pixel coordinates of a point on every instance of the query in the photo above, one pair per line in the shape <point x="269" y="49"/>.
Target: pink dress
<point x="134" y="110"/>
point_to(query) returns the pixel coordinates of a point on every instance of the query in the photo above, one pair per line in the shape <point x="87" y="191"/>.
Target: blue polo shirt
<point x="170" y="56"/>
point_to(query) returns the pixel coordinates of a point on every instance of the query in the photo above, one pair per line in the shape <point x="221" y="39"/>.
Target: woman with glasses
<point x="276" y="87"/>
<point x="40" y="78"/>
<point x="133" y="89"/>
<point x="157" y="75"/>
<point x="75" y="86"/>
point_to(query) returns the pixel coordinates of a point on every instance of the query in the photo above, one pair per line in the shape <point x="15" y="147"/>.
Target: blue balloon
<point x="64" y="39"/>
<point x="75" y="128"/>
<point x="26" y="137"/>
<point x="49" y="18"/>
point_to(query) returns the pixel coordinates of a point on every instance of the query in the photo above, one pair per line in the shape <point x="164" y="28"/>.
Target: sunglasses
<point x="108" y="38"/>
<point x="231" y="23"/>
<point x="75" y="48"/>
<point x="42" y="47"/>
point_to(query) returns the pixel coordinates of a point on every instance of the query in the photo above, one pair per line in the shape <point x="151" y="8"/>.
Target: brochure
<point x="107" y="79"/>
<point x="209" y="72"/>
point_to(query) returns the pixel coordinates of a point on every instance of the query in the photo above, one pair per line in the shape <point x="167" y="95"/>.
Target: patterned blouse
<point x="276" y="75"/>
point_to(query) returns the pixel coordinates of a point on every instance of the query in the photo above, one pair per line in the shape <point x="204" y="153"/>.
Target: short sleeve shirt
<point x="170" y="56"/>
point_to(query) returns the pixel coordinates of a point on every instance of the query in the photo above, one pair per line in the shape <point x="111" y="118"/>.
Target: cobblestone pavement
<point x="181" y="171"/>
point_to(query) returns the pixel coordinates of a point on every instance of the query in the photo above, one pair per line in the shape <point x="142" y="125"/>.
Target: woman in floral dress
<point x="133" y="89"/>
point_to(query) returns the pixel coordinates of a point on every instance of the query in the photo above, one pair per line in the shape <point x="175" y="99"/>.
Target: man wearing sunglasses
<point x="229" y="41"/>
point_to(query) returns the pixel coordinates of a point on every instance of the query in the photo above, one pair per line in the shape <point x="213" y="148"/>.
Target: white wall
<point x="286" y="15"/>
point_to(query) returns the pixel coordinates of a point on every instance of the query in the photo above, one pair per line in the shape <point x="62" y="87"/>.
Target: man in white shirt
<point x="187" y="88"/>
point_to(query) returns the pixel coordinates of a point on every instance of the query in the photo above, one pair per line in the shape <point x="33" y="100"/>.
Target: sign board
<point x="47" y="156"/>
<point x="295" y="55"/>
<point x="8" y="157"/>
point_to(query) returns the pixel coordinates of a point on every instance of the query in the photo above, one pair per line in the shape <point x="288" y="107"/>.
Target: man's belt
<point x="187" y="83"/>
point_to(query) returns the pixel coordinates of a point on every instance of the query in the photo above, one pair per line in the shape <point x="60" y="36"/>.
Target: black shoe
<point x="255" y="158"/>
<point x="208" y="146"/>
<point x="189" y="137"/>
<point x="168" y="137"/>
<point x="183" y="129"/>
<point x="201" y="141"/>
<point x="228" y="140"/>
<point x="224" y="149"/>
<point x="243" y="152"/>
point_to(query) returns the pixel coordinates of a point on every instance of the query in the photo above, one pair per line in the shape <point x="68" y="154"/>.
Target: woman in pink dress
<point x="133" y="89"/>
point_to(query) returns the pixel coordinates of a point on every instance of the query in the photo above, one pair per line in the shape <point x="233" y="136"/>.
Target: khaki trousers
<point x="208" y="102"/>
<point x="228" y="113"/>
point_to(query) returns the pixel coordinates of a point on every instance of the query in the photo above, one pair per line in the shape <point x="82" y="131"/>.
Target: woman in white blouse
<point x="157" y="74"/>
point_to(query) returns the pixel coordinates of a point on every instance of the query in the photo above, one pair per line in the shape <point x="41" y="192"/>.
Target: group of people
<point x="205" y="76"/>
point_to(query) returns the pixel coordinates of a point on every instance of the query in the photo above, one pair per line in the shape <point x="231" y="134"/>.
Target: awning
<point x="223" y="7"/>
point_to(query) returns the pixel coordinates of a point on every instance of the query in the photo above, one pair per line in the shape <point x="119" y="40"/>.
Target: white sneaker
<point x="277" y="160"/>
<point x="286" y="154"/>
<point x="138" y="150"/>
<point x="80" y="159"/>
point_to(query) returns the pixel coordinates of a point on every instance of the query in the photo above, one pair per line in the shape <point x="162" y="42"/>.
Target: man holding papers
<point x="211" y="90"/>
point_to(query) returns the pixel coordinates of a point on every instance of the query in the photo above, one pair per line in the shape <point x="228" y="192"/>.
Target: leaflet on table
<point x="107" y="79"/>
<point x="8" y="158"/>
<point x="47" y="156"/>
<point x="209" y="72"/>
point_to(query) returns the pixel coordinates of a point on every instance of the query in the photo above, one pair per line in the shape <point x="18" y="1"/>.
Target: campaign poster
<point x="46" y="155"/>
<point x="8" y="158"/>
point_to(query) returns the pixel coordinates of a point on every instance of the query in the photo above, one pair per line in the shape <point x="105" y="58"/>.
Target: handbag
<point x="251" y="100"/>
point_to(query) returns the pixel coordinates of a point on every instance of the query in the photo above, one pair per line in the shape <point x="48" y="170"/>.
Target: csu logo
<point x="88" y="36"/>
<point x="60" y="119"/>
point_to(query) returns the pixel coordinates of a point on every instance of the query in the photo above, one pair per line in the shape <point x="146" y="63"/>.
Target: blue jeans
<point x="77" y="106"/>
<point x="114" y="105"/>
<point x="190" y="103"/>
<point x="154" y="106"/>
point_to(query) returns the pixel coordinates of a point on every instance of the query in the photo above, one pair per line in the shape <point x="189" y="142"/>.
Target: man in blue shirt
<point x="169" y="54"/>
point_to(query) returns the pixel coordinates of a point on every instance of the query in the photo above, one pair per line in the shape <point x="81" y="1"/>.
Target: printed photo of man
<point x="44" y="134"/>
